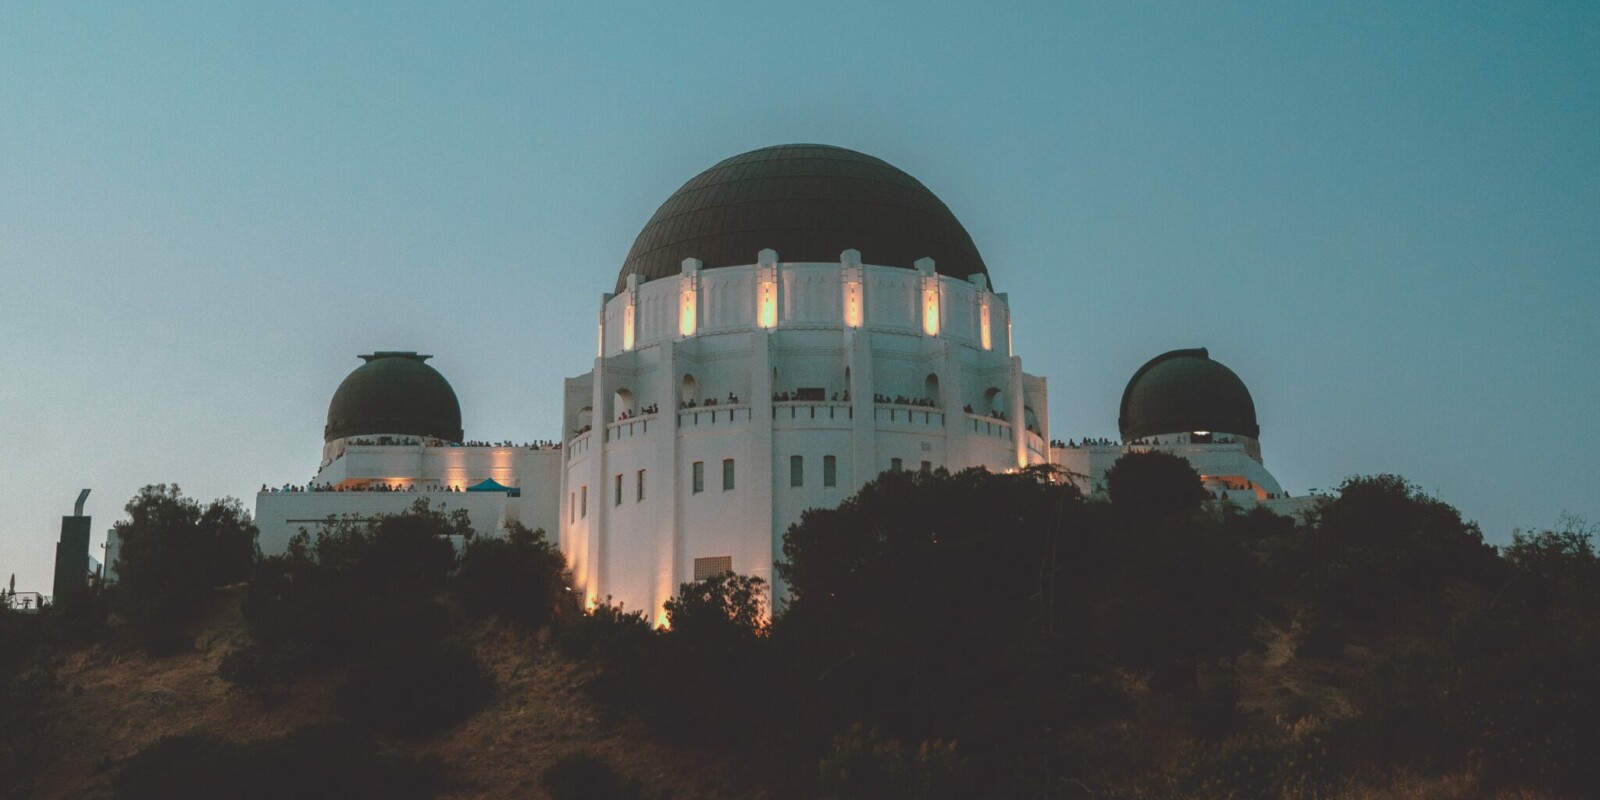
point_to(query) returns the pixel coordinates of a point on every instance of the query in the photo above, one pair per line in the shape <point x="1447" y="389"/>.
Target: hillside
<point x="114" y="702"/>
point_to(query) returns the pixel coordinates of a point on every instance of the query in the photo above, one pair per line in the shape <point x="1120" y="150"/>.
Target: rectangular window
<point x="640" y="489"/>
<point x="712" y="567"/>
<point x="797" y="471"/>
<point x="583" y="501"/>
<point x="616" y="494"/>
<point x="727" y="474"/>
<point x="830" y="471"/>
<point x="927" y="467"/>
<point x="896" y="464"/>
<point x="699" y="476"/>
<point x="572" y="506"/>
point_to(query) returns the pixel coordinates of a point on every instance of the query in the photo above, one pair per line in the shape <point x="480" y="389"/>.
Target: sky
<point x="1385" y="217"/>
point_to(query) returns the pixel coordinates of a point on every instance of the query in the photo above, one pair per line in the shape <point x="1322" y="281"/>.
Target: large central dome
<point x="809" y="202"/>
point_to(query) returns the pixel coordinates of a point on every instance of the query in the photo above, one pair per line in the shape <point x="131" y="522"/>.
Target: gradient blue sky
<point x="1385" y="217"/>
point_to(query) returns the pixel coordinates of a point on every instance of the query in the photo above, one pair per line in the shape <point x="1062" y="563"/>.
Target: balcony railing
<point x="703" y="416"/>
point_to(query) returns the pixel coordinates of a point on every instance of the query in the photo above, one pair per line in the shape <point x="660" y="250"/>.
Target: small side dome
<point x="394" y="393"/>
<point x="1185" y="391"/>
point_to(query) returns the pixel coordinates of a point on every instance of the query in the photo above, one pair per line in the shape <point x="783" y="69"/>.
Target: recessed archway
<point x="994" y="400"/>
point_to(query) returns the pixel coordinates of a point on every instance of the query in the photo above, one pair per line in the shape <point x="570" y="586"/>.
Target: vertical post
<point x="1019" y="433"/>
<point x="761" y="456"/>
<point x="661" y="484"/>
<point x="600" y="403"/>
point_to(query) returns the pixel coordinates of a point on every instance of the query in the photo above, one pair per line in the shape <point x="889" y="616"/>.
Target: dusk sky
<point x="1384" y="217"/>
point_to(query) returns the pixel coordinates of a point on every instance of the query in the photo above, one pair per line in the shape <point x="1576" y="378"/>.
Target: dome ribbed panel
<point x="809" y="203"/>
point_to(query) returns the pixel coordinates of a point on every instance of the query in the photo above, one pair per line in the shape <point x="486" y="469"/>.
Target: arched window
<point x="994" y="400"/>
<point x="622" y="403"/>
<point x="930" y="388"/>
<point x="691" y="390"/>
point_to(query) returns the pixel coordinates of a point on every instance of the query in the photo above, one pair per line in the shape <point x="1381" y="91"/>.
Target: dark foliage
<point x="359" y="589"/>
<point x="417" y="694"/>
<point x="174" y="552"/>
<point x="370" y="597"/>
<point x="323" y="762"/>
<point x="863" y="766"/>
<point x="1382" y="549"/>
<point x="27" y="697"/>
<point x="264" y="672"/>
<point x="1154" y="485"/>
<point x="723" y="611"/>
<point x="608" y="634"/>
<point x="946" y="607"/>
<point x="520" y="578"/>
<point x="586" y="777"/>
<point x="1174" y="587"/>
<point x="693" y="683"/>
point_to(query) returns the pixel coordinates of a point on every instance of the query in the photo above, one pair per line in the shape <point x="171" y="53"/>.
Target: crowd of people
<point x="643" y="411"/>
<point x="733" y="399"/>
<point x="314" y="487"/>
<point x="430" y="441"/>
<point x="993" y="414"/>
<point x="902" y="400"/>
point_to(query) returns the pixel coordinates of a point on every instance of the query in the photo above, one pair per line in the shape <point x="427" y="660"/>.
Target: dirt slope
<point x="114" y="702"/>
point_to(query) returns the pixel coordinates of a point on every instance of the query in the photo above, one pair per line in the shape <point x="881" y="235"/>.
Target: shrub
<point x="608" y="635"/>
<point x="721" y="610"/>
<point x="520" y="578"/>
<point x="333" y="761"/>
<point x="417" y="694"/>
<point x="863" y="766"/>
<point x="585" y="777"/>
<point x="264" y="672"/>
<point x="359" y="589"/>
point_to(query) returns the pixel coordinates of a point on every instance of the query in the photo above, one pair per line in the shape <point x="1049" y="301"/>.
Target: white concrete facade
<point x="1230" y="467"/>
<point x="806" y="381"/>
<point x="347" y="486"/>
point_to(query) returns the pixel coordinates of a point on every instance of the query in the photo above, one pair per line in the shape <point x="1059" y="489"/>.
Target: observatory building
<point x="1184" y="403"/>
<point x="394" y="436"/>
<point x="790" y="323"/>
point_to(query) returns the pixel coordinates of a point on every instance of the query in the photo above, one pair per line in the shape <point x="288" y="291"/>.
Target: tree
<point x="174" y="551"/>
<point x="722" y="609"/>
<point x="1383" y="547"/>
<point x="1154" y="485"/>
<point x="521" y="578"/>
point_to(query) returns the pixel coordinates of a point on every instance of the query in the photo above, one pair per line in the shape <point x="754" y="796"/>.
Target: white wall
<point x="637" y="552"/>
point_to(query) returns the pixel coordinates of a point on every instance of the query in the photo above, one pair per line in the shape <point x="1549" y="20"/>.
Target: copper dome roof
<point x="1184" y="391"/>
<point x="808" y="202"/>
<point x="395" y="393"/>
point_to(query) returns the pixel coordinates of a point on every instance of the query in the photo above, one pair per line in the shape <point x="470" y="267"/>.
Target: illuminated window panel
<point x="686" y="316"/>
<point x="767" y="313"/>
